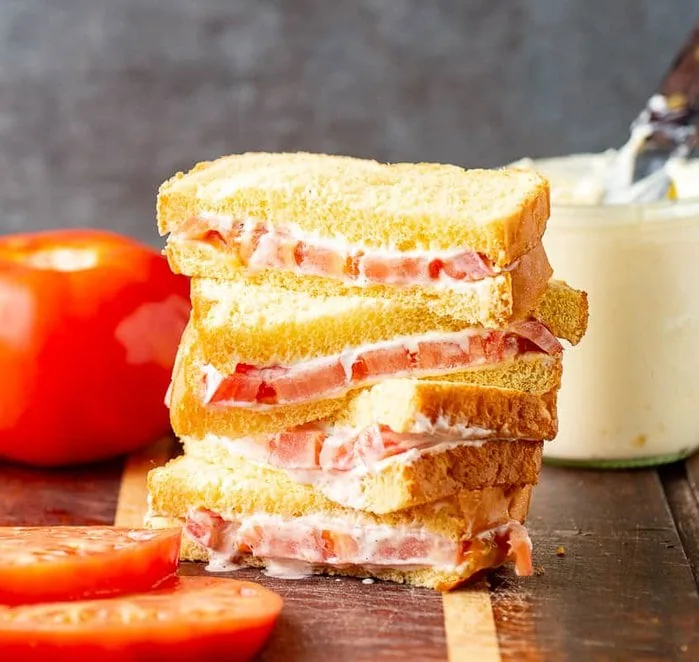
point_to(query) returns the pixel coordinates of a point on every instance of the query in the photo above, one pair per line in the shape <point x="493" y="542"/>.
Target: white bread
<point x="564" y="311"/>
<point x="400" y="404"/>
<point x="410" y="206"/>
<point x="399" y="483"/>
<point x="267" y="325"/>
<point x="247" y="488"/>
<point x="438" y="580"/>
<point x="491" y="302"/>
<point x="534" y="374"/>
<point x="186" y="483"/>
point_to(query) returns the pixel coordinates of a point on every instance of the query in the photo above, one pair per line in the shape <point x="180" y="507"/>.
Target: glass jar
<point x="630" y="390"/>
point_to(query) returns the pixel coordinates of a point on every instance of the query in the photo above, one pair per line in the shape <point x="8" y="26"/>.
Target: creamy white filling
<point x="431" y="438"/>
<point x="339" y="243"/>
<point x="442" y="425"/>
<point x="344" y="248"/>
<point x="373" y="542"/>
<point x="373" y="545"/>
<point x="346" y="487"/>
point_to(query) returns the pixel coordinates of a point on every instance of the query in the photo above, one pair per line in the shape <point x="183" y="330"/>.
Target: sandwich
<point x="370" y="369"/>
<point x="244" y="514"/>
<point x="460" y="243"/>
<point x="278" y="358"/>
<point x="393" y="446"/>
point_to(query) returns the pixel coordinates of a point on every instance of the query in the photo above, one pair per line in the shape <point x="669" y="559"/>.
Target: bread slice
<point x="491" y="302"/>
<point x="564" y="311"/>
<point x="266" y="325"/>
<point x="408" y="206"/>
<point x="363" y="205"/>
<point x="437" y="579"/>
<point x="401" y="482"/>
<point x="403" y="405"/>
<point x="536" y="375"/>
<point x="188" y="483"/>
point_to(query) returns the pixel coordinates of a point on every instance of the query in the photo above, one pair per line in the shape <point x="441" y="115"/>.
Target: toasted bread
<point x="267" y="325"/>
<point x="410" y="206"/>
<point x="536" y="375"/>
<point x="491" y="302"/>
<point x="401" y="482"/>
<point x="365" y="205"/>
<point x="440" y="580"/>
<point x="188" y="483"/>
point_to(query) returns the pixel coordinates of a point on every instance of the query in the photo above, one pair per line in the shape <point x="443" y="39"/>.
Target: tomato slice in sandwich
<point x="198" y="618"/>
<point x="42" y="564"/>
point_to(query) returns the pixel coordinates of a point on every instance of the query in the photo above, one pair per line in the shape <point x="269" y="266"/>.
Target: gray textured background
<point x="100" y="100"/>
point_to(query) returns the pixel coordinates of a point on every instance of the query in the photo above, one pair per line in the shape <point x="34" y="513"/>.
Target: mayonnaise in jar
<point x="630" y="390"/>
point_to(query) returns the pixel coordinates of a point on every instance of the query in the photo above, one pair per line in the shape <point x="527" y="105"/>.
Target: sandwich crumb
<point x="368" y="580"/>
<point x="560" y="550"/>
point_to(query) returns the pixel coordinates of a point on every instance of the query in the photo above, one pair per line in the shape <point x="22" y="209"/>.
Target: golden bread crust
<point x="492" y="302"/>
<point x="521" y="392"/>
<point x="400" y="484"/>
<point x="265" y="324"/>
<point x="564" y="310"/>
<point x="244" y="488"/>
<point x="500" y="213"/>
<point x="423" y="577"/>
<point x="400" y="403"/>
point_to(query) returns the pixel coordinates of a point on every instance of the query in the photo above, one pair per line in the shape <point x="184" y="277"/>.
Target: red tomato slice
<point x="200" y="618"/>
<point x="273" y="251"/>
<point x="298" y="449"/>
<point x="238" y="387"/>
<point x="441" y="355"/>
<point x="42" y="564"/>
<point x="395" y="270"/>
<point x="319" y="260"/>
<point x="304" y="385"/>
<point x="388" y="361"/>
<point x="467" y="266"/>
<point x="337" y="545"/>
<point x="90" y="322"/>
<point x="410" y="547"/>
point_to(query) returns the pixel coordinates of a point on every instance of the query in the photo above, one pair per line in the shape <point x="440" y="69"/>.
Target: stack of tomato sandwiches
<point x="370" y="368"/>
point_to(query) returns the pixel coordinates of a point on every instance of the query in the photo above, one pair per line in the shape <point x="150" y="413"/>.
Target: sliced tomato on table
<point x="90" y="322"/>
<point x="42" y="564"/>
<point x="199" y="618"/>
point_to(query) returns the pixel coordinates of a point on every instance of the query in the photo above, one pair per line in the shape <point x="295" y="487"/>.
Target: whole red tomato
<point x="89" y="327"/>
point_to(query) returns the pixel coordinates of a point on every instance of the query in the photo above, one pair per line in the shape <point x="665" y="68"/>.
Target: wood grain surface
<point x="614" y="559"/>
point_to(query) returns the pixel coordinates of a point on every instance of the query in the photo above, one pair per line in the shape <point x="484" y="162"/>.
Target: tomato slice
<point x="440" y="355"/>
<point x="238" y="387"/>
<point x="199" y="618"/>
<point x="296" y="449"/>
<point x="385" y="361"/>
<point x="319" y="260"/>
<point x="41" y="564"/>
<point x="396" y="270"/>
<point x="467" y="266"/>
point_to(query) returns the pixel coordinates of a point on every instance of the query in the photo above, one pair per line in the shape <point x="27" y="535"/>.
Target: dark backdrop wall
<point x="100" y="100"/>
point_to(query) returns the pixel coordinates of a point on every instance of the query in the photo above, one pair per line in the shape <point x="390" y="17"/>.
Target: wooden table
<point x="616" y="557"/>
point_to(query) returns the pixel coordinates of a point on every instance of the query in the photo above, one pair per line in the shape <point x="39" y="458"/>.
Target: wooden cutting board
<point x="612" y="581"/>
